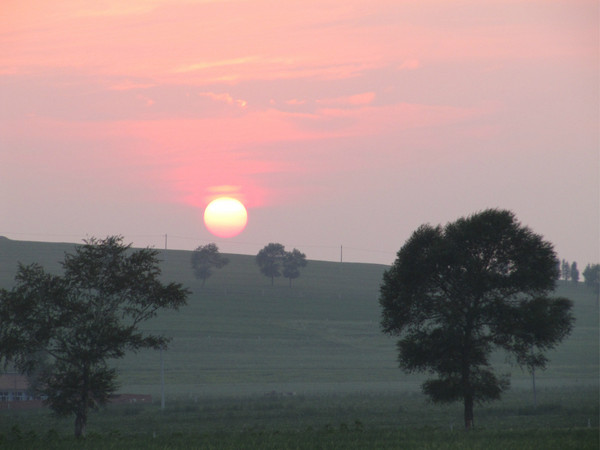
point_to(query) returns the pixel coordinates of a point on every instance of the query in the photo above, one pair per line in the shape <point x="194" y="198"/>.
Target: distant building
<point x="15" y="394"/>
<point x="14" y="388"/>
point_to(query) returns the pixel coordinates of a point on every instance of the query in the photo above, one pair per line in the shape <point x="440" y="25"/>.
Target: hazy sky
<point x="337" y="123"/>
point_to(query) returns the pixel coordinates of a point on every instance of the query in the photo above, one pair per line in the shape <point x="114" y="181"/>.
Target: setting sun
<point x="225" y="217"/>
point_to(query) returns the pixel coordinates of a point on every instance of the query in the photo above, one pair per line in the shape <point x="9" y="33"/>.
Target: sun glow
<point x="225" y="217"/>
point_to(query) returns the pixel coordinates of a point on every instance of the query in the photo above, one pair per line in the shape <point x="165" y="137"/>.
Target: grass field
<point x="277" y="363"/>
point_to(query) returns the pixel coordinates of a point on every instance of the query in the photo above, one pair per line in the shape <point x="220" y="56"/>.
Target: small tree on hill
<point x="574" y="272"/>
<point x="591" y="276"/>
<point x="566" y="270"/>
<point x="204" y="258"/>
<point x="456" y="293"/>
<point x="82" y="320"/>
<point x="292" y="262"/>
<point x="270" y="260"/>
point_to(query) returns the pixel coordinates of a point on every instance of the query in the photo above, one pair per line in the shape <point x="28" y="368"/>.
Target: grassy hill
<point x="239" y="334"/>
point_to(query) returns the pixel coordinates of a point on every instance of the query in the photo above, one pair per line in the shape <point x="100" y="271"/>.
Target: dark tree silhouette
<point x="456" y="293"/>
<point x="292" y="262"/>
<point x="204" y="258"/>
<point x="270" y="260"/>
<point x="83" y="319"/>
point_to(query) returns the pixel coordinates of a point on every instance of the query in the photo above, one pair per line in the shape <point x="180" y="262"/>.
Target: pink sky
<point x="337" y="123"/>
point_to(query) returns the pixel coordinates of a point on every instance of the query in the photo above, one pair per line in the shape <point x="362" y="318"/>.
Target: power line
<point x="228" y="242"/>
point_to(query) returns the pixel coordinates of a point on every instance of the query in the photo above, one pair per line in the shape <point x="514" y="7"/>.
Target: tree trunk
<point x="80" y="422"/>
<point x="468" y="412"/>
<point x="81" y="408"/>
<point x="534" y="392"/>
<point x="467" y="388"/>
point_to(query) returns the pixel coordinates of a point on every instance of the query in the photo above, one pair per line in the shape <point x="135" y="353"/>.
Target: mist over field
<point x="252" y="365"/>
<point x="239" y="335"/>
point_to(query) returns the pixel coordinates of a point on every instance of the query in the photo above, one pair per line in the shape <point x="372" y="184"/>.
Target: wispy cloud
<point x="225" y="98"/>
<point x="129" y="85"/>
<point x="147" y="100"/>
<point x="214" y="64"/>
<point x="351" y="100"/>
<point x="409" y="64"/>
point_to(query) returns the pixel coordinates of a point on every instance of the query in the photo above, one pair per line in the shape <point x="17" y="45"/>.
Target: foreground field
<point x="579" y="439"/>
<point x="566" y="418"/>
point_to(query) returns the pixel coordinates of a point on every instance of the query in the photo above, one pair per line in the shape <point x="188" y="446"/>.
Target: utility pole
<point x="341" y="270"/>
<point x="162" y="366"/>
<point x="162" y="380"/>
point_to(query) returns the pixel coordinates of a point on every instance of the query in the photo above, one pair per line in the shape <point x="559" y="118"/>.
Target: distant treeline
<point x="591" y="274"/>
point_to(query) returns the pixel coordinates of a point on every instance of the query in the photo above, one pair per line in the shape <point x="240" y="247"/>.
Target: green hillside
<point x="241" y="335"/>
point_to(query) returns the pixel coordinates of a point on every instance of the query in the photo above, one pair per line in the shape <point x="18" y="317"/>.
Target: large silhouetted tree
<point x="204" y="258"/>
<point x="82" y="319"/>
<point x="456" y="293"/>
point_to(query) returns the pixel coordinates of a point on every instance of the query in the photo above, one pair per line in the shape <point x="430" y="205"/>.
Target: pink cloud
<point x="128" y="85"/>
<point x="147" y="100"/>
<point x="352" y="100"/>
<point x="325" y="40"/>
<point x="409" y="64"/>
<point x="295" y="101"/>
<point x="224" y="97"/>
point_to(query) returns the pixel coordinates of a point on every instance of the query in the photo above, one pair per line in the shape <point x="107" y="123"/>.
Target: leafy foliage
<point x="204" y="258"/>
<point x="456" y="293"/>
<point x="82" y="319"/>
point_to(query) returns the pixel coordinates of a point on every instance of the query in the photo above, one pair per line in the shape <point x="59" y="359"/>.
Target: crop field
<point x="254" y="365"/>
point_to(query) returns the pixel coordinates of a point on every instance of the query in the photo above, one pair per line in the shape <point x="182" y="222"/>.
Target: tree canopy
<point x="457" y="292"/>
<point x="204" y="258"/>
<point x="269" y="260"/>
<point x="83" y="318"/>
<point x="292" y="263"/>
